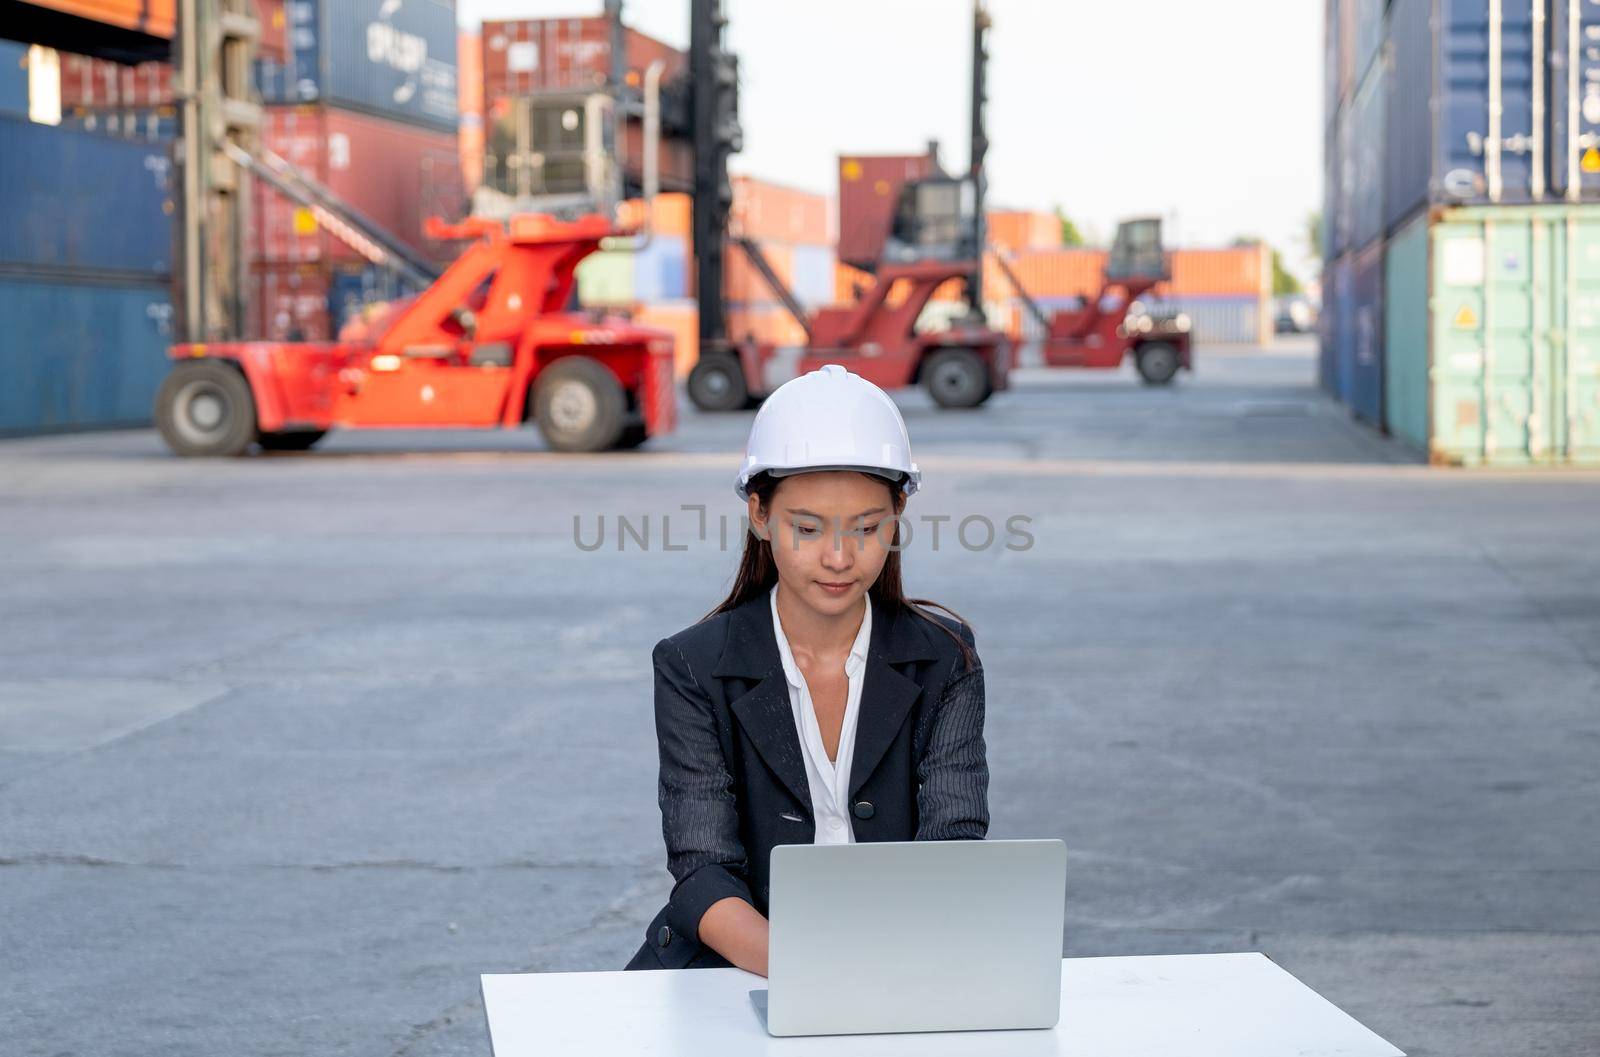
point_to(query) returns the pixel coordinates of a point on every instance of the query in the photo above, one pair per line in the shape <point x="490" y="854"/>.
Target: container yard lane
<point x="293" y="747"/>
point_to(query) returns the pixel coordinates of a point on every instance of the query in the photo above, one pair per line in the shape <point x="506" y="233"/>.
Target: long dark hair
<point x="758" y="572"/>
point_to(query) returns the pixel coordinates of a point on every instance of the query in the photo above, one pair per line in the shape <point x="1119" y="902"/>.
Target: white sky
<point x="1208" y="113"/>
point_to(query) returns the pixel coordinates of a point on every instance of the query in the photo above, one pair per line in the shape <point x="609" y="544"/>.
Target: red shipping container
<point x="101" y="84"/>
<point x="396" y="174"/>
<point x="869" y="186"/>
<point x="769" y="212"/>
<point x="524" y="56"/>
<point x="289" y="302"/>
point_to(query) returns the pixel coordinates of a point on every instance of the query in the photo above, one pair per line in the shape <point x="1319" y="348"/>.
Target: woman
<point x="816" y="704"/>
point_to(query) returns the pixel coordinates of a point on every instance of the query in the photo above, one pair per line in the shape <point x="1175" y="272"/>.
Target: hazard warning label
<point x="1466" y="318"/>
<point x="1591" y="160"/>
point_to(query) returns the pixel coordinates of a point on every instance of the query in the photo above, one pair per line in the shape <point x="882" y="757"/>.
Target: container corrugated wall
<point x="81" y="354"/>
<point x="1222" y="320"/>
<point x="1405" y="330"/>
<point x="79" y="202"/>
<point x="1515" y="366"/>
<point x="13" y="78"/>
<point x="392" y="58"/>
<point x="1408" y="131"/>
<point x="1364" y="335"/>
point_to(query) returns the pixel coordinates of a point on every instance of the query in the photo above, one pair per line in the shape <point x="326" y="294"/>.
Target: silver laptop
<point x="915" y="936"/>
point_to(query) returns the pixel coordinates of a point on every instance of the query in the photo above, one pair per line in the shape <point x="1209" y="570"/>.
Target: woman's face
<point x="825" y="533"/>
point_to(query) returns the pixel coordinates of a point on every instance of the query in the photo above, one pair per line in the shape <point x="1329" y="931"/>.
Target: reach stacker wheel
<point x="717" y="384"/>
<point x="956" y="378"/>
<point x="579" y="405"/>
<point x="1157" y="362"/>
<point x="205" y="408"/>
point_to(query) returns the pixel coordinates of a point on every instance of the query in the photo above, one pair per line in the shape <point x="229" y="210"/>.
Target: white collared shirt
<point x="829" y="779"/>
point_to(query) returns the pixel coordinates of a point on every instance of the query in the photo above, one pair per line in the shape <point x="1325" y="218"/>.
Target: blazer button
<point x="664" y="936"/>
<point x="864" y="809"/>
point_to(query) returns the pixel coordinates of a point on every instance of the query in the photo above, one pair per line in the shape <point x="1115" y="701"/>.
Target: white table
<point x="1202" y="1005"/>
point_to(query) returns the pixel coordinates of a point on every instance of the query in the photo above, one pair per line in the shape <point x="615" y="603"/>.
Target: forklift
<point x="1115" y="325"/>
<point x="937" y="236"/>
<point x="493" y="340"/>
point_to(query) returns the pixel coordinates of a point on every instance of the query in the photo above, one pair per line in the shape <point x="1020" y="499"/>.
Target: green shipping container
<point x="1506" y="371"/>
<point x="1405" y="334"/>
<point x="606" y="278"/>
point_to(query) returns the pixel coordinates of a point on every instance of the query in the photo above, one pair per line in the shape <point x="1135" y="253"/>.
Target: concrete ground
<point x="291" y="748"/>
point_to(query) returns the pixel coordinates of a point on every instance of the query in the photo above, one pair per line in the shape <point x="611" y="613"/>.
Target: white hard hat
<point x="829" y="419"/>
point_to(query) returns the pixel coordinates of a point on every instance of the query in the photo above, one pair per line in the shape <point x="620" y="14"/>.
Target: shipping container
<point x="670" y="214"/>
<point x="1070" y="272"/>
<point x="1241" y="270"/>
<point x="524" y="56"/>
<point x="395" y="174"/>
<point x="813" y="275"/>
<point x="681" y="319"/>
<point x="1405" y="334"/>
<point x="1339" y="312"/>
<point x="469" y="104"/>
<point x="869" y="186"/>
<point x="1574" y="100"/>
<point x="742" y="283"/>
<point x="1332" y="64"/>
<point x="605" y="279"/>
<point x="81" y="354"/>
<point x="353" y="290"/>
<point x="99" y="83"/>
<point x="1017" y="229"/>
<point x="156" y="18"/>
<point x="395" y="59"/>
<point x="289" y="302"/>
<point x="1515" y="350"/>
<point x="73" y="201"/>
<point x="1366" y="18"/>
<point x="13" y="78"/>
<point x="661" y="269"/>
<point x="158" y="125"/>
<point x="1470" y="89"/>
<point x="764" y="322"/>
<point x="1363" y="175"/>
<point x="1361" y="354"/>
<point x="769" y="212"/>
<point x="1221" y="320"/>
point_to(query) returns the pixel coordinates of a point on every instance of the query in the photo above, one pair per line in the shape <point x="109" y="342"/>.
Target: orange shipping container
<point x="1072" y="272"/>
<point x="769" y="324"/>
<point x="1236" y="270"/>
<point x="158" y="18"/>
<point x="769" y="212"/>
<point x="672" y="215"/>
<point x="682" y="320"/>
<point x="742" y="284"/>
<point x="1021" y="230"/>
<point x="845" y="281"/>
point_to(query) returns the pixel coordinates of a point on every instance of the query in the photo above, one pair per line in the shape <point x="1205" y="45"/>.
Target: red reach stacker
<point x="488" y="344"/>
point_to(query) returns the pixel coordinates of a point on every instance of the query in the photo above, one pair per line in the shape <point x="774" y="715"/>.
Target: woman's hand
<point x="737" y="931"/>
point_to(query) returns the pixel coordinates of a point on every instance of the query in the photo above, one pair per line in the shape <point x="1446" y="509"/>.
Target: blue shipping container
<point x="661" y="270"/>
<point x="1338" y="313"/>
<point x="80" y="355"/>
<point x="13" y="78"/>
<point x="80" y="202"/>
<point x="1574" y="100"/>
<point x="1481" y="110"/>
<point x="1363" y="172"/>
<point x="352" y="289"/>
<point x="1360" y="347"/>
<point x="1368" y="21"/>
<point x="392" y="58"/>
<point x="814" y="268"/>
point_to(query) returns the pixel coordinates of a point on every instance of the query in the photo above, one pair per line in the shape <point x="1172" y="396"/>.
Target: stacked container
<point x="1462" y="198"/>
<point x="364" y="101"/>
<point x="85" y="267"/>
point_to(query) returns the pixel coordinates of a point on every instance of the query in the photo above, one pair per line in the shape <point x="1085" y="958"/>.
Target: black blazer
<point x="733" y="779"/>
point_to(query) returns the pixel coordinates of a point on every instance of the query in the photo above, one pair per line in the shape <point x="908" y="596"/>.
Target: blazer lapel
<point x="764" y="711"/>
<point x="887" y="696"/>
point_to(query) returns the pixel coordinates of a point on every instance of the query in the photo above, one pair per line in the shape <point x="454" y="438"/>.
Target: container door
<point x="1492" y="105"/>
<point x="1575" y="417"/>
<point x="1493" y="282"/>
<point x="1574" y="100"/>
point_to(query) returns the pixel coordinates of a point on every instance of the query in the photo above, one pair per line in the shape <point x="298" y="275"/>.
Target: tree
<point x="1070" y="235"/>
<point x="1283" y="280"/>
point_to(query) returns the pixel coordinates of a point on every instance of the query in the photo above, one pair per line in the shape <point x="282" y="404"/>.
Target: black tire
<point x="632" y="437"/>
<point x="579" y="405"/>
<point x="205" y="408"/>
<point x="956" y="378"/>
<point x="291" y="440"/>
<point x="717" y="384"/>
<point x="1158" y="362"/>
